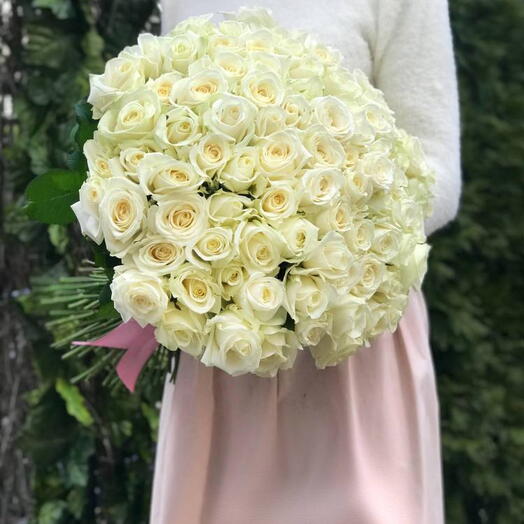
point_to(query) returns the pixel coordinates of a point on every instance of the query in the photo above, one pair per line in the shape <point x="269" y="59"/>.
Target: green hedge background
<point x="79" y="455"/>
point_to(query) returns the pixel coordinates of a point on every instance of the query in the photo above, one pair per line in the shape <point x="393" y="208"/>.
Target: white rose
<point x="382" y="146"/>
<point x="228" y="208"/>
<point x="350" y="318"/>
<point x="181" y="328"/>
<point x="414" y="267"/>
<point x="352" y="154"/>
<point x="182" y="49"/>
<point x="324" y="148"/>
<point x="129" y="159"/>
<point x="336" y="217"/>
<point x="163" y="176"/>
<point x="199" y="25"/>
<point x="279" y="350"/>
<point x="195" y="288"/>
<point x="277" y="203"/>
<point x="91" y="193"/>
<point x="334" y="115"/>
<point x="259" y="246"/>
<point x="122" y="212"/>
<point x="89" y="223"/>
<point x="262" y="296"/>
<point x="341" y="341"/>
<point x="300" y="237"/>
<point x="267" y="62"/>
<point x="139" y="296"/>
<point x="320" y="186"/>
<point x="98" y="158"/>
<point x="263" y="88"/>
<point x="230" y="278"/>
<point x="327" y="55"/>
<point x="330" y="258"/>
<point x="232" y="116"/>
<point x="182" y="218"/>
<point x="240" y="173"/>
<point x="361" y="235"/>
<point x="210" y="154"/>
<point x="298" y="111"/>
<point x="305" y="68"/>
<point x="330" y="352"/>
<point x="180" y="126"/>
<point x="163" y="85"/>
<point x="310" y="331"/>
<point x="357" y="186"/>
<point x="408" y="215"/>
<point x="386" y="243"/>
<point x="133" y="117"/>
<point x="372" y="276"/>
<point x="364" y="134"/>
<point x="199" y="88"/>
<point x="86" y="209"/>
<point x="309" y="88"/>
<point x="130" y="156"/>
<point x="223" y="44"/>
<point x="258" y="40"/>
<point x="152" y="49"/>
<point x="234" y="344"/>
<point x="156" y="254"/>
<point x="380" y="170"/>
<point x="379" y="117"/>
<point x="282" y="155"/>
<point x="340" y="82"/>
<point x="385" y="313"/>
<point x="422" y="192"/>
<point x="232" y="65"/>
<point x="270" y="119"/>
<point x="307" y="296"/>
<point x="120" y="76"/>
<point x="215" y="245"/>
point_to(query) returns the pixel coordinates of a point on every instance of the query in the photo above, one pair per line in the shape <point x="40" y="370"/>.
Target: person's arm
<point x="415" y="68"/>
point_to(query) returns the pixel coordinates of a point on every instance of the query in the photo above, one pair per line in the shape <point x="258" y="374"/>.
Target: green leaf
<point x="62" y="9"/>
<point x="83" y="132"/>
<point x="108" y="311"/>
<point x="105" y="294"/>
<point x="58" y="236"/>
<point x="86" y="125"/>
<point x="103" y="259"/>
<point x="83" y="110"/>
<point x="51" y="195"/>
<point x="52" y="512"/>
<point x="75" y="402"/>
<point x="76" y="161"/>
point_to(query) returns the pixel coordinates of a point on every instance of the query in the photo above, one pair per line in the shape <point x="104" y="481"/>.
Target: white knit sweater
<point x="404" y="46"/>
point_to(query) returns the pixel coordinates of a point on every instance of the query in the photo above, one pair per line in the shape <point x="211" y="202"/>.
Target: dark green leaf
<point x="50" y="196"/>
<point x="62" y="9"/>
<point x="86" y="125"/>
<point x="107" y="311"/>
<point x="76" y="161"/>
<point x="75" y="402"/>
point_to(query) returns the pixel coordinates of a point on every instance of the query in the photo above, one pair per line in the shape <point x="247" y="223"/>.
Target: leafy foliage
<point x="92" y="451"/>
<point x="51" y="195"/>
<point x="476" y="281"/>
<point x="91" y="448"/>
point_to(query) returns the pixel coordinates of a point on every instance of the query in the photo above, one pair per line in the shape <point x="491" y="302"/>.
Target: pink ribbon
<point x="139" y="343"/>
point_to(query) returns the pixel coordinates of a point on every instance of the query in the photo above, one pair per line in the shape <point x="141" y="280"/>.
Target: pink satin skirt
<point x="353" y="444"/>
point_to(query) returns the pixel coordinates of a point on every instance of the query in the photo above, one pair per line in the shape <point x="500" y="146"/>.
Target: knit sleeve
<point x="414" y="66"/>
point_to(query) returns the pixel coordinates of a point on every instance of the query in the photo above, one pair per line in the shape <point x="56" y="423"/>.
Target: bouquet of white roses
<point x="258" y="195"/>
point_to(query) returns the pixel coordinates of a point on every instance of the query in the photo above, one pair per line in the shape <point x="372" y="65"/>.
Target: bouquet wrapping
<point x="257" y="194"/>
